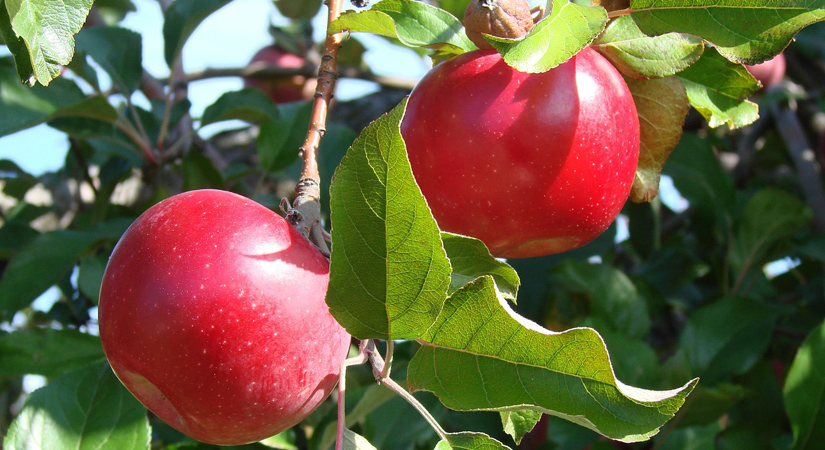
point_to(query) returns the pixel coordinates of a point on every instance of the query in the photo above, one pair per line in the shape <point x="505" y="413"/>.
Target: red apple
<point x="285" y="89"/>
<point x="769" y="72"/>
<point x="531" y="164"/>
<point x="212" y="314"/>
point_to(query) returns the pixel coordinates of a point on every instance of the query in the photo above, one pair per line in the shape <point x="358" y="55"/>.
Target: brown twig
<point x="305" y="214"/>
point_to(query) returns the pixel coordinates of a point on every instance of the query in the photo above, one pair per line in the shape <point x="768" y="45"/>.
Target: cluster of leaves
<point x="684" y="296"/>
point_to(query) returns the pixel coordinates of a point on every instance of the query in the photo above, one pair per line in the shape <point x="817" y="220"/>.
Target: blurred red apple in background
<point x="280" y="89"/>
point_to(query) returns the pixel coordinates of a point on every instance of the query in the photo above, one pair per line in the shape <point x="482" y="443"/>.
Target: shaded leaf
<point x="46" y="260"/>
<point x="612" y="295"/>
<point x="727" y="337"/>
<point x="86" y="409"/>
<point x="200" y="173"/>
<point x="48" y="28"/>
<point x="470" y="259"/>
<point x="249" y="105"/>
<point x="717" y="88"/>
<point x="415" y="24"/>
<point x="805" y="392"/>
<point x="770" y="216"/>
<point x="117" y="51"/>
<point x="519" y="422"/>
<point x="180" y="21"/>
<point x="47" y="352"/>
<point x="278" y="140"/>
<point x="25" y="107"/>
<point x="388" y="272"/>
<point x="555" y="39"/>
<point x="638" y="55"/>
<point x="662" y="106"/>
<point x="480" y="355"/>
<point x="743" y="30"/>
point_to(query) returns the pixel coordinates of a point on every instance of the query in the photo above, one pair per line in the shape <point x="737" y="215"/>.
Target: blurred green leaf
<point x="47" y="352"/>
<point x="480" y="355"/>
<point x="743" y="30"/>
<point x="805" y="392"/>
<point x="16" y="181"/>
<point x="279" y="140"/>
<point x="555" y="39"/>
<point x="519" y="422"/>
<point x="26" y="107"/>
<point x="727" y="337"/>
<point x="638" y="55"/>
<point x="48" y="28"/>
<point x="45" y="261"/>
<point x="693" y="438"/>
<point x="84" y="409"/>
<point x="769" y="217"/>
<point x="180" y="21"/>
<point x="708" y="404"/>
<point x="90" y="276"/>
<point x="117" y="51"/>
<point x="249" y="105"/>
<point x="699" y="177"/>
<point x="717" y="88"/>
<point x="470" y="259"/>
<point x="388" y="273"/>
<point x="200" y="173"/>
<point x="612" y="295"/>
<point x="415" y="24"/>
<point x="113" y="11"/>
<point x="14" y="237"/>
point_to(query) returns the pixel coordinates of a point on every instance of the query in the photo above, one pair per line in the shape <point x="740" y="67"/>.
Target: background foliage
<point x="727" y="286"/>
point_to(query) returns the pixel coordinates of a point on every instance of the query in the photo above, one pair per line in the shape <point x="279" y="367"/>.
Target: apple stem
<point x="305" y="214"/>
<point x="378" y="368"/>
<point x="363" y="349"/>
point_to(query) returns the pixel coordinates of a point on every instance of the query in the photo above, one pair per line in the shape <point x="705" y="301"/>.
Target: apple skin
<point x="212" y="314"/>
<point x="769" y="72"/>
<point x="531" y="164"/>
<point x="281" y="90"/>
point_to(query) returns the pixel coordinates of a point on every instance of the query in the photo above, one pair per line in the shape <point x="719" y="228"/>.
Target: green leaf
<point x="25" y="107"/>
<point x="555" y="39"/>
<point x="374" y="396"/>
<point x="519" y="422"/>
<point x="117" y="51"/>
<point x="389" y="273"/>
<point x="638" y="55"/>
<point x="249" y="105"/>
<point x="470" y="259"/>
<point x="14" y="237"/>
<point x="693" y="438"/>
<point x="86" y="409"/>
<point x="805" y="392"/>
<point x="717" y="88"/>
<point x="414" y="23"/>
<point x="282" y="441"/>
<point x="613" y="296"/>
<point x="480" y="355"/>
<point x="200" y="173"/>
<point x="17" y="47"/>
<point x="90" y="276"/>
<point x="47" y="352"/>
<point x="470" y="441"/>
<point x="354" y="441"/>
<point x="770" y="216"/>
<point x="727" y="337"/>
<point x="180" y="21"/>
<point x="45" y="261"/>
<point x="48" y="28"/>
<point x="700" y="178"/>
<point x="278" y="140"/>
<point x="744" y="31"/>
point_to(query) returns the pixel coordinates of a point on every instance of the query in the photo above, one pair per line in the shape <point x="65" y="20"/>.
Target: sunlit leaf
<point x="389" y="273"/>
<point x="480" y="355"/>
<point x="805" y="392"/>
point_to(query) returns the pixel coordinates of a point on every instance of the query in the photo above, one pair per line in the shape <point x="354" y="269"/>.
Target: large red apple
<point x="531" y="164"/>
<point x="283" y="89"/>
<point x="212" y="314"/>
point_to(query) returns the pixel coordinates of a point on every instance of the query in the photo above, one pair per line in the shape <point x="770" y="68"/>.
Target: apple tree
<point x="589" y="226"/>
